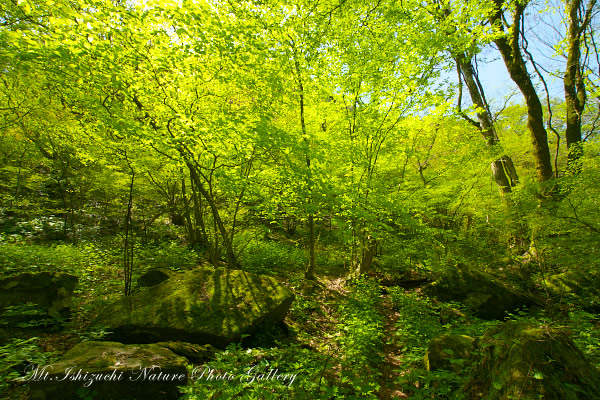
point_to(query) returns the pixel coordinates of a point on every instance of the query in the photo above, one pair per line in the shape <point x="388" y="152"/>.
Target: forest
<point x="310" y="199"/>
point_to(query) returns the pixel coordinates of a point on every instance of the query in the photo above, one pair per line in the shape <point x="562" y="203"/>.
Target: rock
<point x="581" y="288"/>
<point x="483" y="295"/>
<point x="195" y="353"/>
<point x="154" y="276"/>
<point x="451" y="315"/>
<point x="202" y="306"/>
<point x="110" y="370"/>
<point x="51" y="291"/>
<point x="524" y="361"/>
<point x="449" y="352"/>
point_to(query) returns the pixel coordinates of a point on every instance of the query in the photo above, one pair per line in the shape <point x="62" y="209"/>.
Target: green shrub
<point x="271" y="257"/>
<point x="18" y="359"/>
<point x="361" y="340"/>
<point x="165" y="255"/>
<point x="418" y="322"/>
<point x="250" y="374"/>
<point x="586" y="328"/>
<point x="25" y="316"/>
<point x="19" y="258"/>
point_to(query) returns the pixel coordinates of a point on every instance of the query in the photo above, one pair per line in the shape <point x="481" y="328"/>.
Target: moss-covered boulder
<point x="524" y="361"/>
<point x="202" y="306"/>
<point x="449" y="352"/>
<point x="483" y="295"/>
<point x="195" y="353"/>
<point x="111" y="371"/>
<point x="452" y="315"/>
<point x="580" y="288"/>
<point x="154" y="276"/>
<point x="53" y="292"/>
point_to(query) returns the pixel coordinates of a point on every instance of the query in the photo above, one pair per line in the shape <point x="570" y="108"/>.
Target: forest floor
<point x="349" y="339"/>
<point x="392" y="350"/>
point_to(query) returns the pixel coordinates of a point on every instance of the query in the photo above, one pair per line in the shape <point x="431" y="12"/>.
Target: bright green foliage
<point x="250" y="371"/>
<point x="167" y="255"/>
<point x="418" y="322"/>
<point x="204" y="110"/>
<point x="361" y="338"/>
<point x="246" y="133"/>
<point x="270" y="257"/>
<point x="16" y="355"/>
<point x="587" y="336"/>
<point x="18" y="258"/>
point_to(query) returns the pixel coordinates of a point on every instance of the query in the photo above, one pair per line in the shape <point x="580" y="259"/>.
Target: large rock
<point x="524" y="361"/>
<point x="483" y="295"/>
<point x="53" y="292"/>
<point x="154" y="276"/>
<point x="449" y="352"/>
<point x="203" y="306"/>
<point x="195" y="353"/>
<point x="577" y="287"/>
<point x="111" y="371"/>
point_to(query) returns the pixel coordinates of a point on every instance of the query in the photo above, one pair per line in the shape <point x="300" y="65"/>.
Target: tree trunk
<point x="486" y="124"/>
<point x="199" y="225"/>
<point x="366" y="261"/>
<point x="191" y="229"/>
<point x="216" y="216"/>
<point x="515" y="64"/>
<point x="128" y="245"/>
<point x="503" y="169"/>
<point x="310" y="269"/>
<point x="575" y="93"/>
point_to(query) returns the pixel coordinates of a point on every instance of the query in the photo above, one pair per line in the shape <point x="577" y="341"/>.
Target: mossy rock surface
<point x="575" y="287"/>
<point x="451" y="315"/>
<point x="111" y="370"/>
<point x="449" y="352"/>
<point x="523" y="361"/>
<point x="154" y="277"/>
<point x="195" y="353"/>
<point x="53" y="292"/>
<point x="481" y="293"/>
<point x="202" y="306"/>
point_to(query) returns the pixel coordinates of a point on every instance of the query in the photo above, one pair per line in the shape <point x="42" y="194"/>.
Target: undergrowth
<point x="345" y="365"/>
<point x="420" y="320"/>
<point x="17" y="358"/>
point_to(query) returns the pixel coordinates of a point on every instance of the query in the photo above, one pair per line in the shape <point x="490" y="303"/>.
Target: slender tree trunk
<point x="199" y="225"/>
<point x="310" y="272"/>
<point x="510" y="50"/>
<point x="18" y="183"/>
<point x="486" y="124"/>
<point x="216" y="216"/>
<point x="574" y="90"/>
<point x="245" y="173"/>
<point x="128" y="245"/>
<point x="310" y="269"/>
<point x="191" y="229"/>
<point x="503" y="169"/>
<point x="368" y="254"/>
